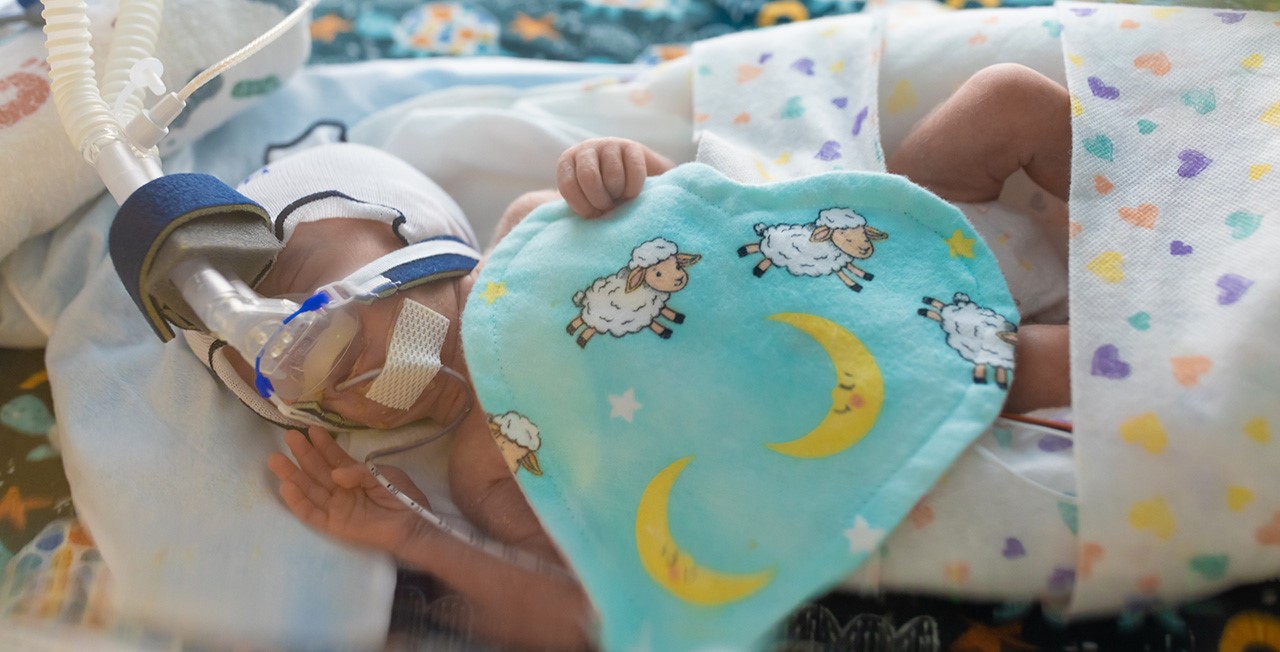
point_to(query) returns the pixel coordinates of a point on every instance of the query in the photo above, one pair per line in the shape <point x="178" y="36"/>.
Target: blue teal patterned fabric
<point x="611" y="31"/>
<point x="1259" y="5"/>
<point x="709" y="461"/>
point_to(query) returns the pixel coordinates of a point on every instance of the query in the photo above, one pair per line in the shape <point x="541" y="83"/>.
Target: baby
<point x="1005" y="118"/>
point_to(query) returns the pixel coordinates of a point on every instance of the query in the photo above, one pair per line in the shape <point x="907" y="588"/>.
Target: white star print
<point x="862" y="537"/>
<point x="624" y="405"/>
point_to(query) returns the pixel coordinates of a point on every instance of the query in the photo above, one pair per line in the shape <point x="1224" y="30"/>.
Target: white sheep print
<point x="718" y="417"/>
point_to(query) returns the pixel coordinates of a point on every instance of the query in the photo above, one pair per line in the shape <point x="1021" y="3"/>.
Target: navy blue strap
<point x="152" y="213"/>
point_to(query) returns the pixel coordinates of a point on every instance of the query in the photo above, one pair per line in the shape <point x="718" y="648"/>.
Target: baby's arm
<point x="1004" y="118"/>
<point x="1042" y="361"/>
<point x="512" y="606"/>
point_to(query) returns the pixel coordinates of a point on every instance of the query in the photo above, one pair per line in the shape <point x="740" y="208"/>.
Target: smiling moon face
<point x="674" y="569"/>
<point x="856" y="399"/>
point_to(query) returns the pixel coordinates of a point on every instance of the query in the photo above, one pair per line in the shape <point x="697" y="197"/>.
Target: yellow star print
<point x="328" y="27"/>
<point x="529" y="28"/>
<point x="492" y="291"/>
<point x="961" y="247"/>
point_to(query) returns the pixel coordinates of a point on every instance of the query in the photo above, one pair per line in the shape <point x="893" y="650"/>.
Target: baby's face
<point x="368" y="353"/>
<point x="322" y="252"/>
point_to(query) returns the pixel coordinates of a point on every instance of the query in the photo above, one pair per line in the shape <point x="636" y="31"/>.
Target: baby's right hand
<point x="333" y="493"/>
<point x="596" y="175"/>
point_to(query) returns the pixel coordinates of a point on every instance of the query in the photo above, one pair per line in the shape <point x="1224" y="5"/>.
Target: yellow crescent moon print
<point x="674" y="569"/>
<point x="856" y="399"/>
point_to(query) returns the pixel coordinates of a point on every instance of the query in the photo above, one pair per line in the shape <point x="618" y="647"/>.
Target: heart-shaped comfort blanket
<point x="723" y="397"/>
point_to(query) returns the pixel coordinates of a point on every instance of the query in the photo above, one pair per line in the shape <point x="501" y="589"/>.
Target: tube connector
<point x="228" y="308"/>
<point x="150" y="126"/>
<point x="123" y="171"/>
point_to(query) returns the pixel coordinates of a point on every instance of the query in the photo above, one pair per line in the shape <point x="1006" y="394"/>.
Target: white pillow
<point x="42" y="177"/>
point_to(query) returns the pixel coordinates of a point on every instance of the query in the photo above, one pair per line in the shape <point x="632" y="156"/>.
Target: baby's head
<point x="339" y="208"/>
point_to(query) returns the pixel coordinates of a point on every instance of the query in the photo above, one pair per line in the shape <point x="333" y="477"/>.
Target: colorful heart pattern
<point x="1174" y="174"/>
<point x="1188" y="369"/>
<point x="794" y="108"/>
<point x="1108" y="266"/>
<point x="1102" y="90"/>
<point x="1107" y="363"/>
<point x="1013" y="549"/>
<point x="1145" y="431"/>
<point x="1233" y="287"/>
<point x="1157" y="63"/>
<point x="1140" y="320"/>
<point x="1193" y="162"/>
<point x="1204" y="101"/>
<point x="1101" y="147"/>
<point x="1154" y="516"/>
<point x="1243" y="224"/>
<point x="1142" y="215"/>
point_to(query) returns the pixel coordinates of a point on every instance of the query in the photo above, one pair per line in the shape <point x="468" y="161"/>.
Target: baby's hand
<point x="596" y="175"/>
<point x="333" y="493"/>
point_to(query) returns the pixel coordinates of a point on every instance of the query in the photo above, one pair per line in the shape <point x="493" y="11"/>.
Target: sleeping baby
<point x="1004" y="119"/>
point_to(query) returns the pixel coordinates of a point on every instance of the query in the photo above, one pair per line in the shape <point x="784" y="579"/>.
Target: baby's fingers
<point x="567" y="185"/>
<point x="613" y="170"/>
<point x="309" y="458"/>
<point x="299" y="479"/>
<point x="633" y="156"/>
<point x="306" y="511"/>
<point x="587" y="169"/>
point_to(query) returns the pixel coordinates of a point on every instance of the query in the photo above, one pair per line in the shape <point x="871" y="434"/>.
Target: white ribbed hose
<point x="137" y="27"/>
<point x="85" y="116"/>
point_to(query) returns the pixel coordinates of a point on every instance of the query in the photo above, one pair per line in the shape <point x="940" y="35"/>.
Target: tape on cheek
<point x="413" y="357"/>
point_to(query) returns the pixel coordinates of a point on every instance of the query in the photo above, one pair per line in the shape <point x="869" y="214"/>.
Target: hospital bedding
<point x="1189" y="628"/>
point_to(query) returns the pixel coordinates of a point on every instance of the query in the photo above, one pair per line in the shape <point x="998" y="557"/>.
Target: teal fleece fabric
<point x="704" y="483"/>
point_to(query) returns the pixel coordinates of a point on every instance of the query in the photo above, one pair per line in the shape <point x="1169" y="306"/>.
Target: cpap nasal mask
<point x="305" y="355"/>
<point x="181" y="244"/>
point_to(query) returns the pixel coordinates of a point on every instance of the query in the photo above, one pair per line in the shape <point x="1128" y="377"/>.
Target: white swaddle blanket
<point x="1174" y="291"/>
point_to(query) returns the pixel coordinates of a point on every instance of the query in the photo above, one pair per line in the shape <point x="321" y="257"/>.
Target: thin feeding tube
<point x="248" y="50"/>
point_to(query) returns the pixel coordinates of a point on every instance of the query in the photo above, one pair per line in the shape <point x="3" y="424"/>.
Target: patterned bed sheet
<point x="607" y="31"/>
<point x="33" y="489"/>
<point x="612" y="31"/>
